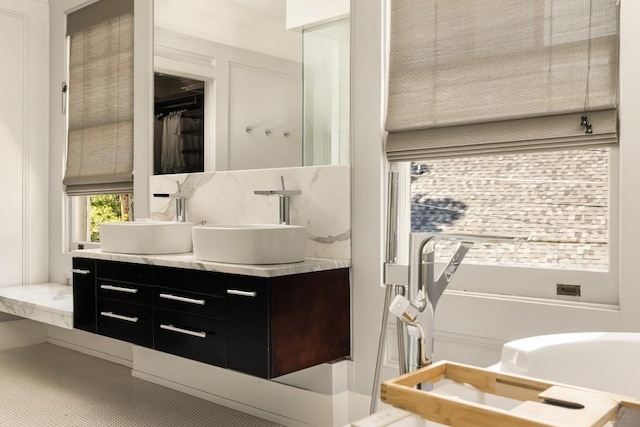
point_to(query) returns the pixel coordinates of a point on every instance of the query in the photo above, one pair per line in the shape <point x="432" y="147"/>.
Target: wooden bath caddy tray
<point x="543" y="403"/>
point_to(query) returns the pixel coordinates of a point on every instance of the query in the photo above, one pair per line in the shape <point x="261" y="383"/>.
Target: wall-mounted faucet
<point x="284" y="195"/>
<point x="181" y="203"/>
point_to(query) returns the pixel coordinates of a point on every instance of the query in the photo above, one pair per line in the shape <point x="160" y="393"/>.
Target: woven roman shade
<point x="479" y="77"/>
<point x="100" y="136"/>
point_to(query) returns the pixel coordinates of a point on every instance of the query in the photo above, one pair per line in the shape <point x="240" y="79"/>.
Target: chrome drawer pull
<point x="183" y="331"/>
<point x="80" y="271"/>
<point x="242" y="293"/>
<point x="119" y="289"/>
<point x="119" y="316"/>
<point x="183" y="299"/>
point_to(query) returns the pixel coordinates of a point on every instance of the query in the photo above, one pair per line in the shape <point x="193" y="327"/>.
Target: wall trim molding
<point x="24" y="147"/>
<point x="176" y="54"/>
<point x="26" y="141"/>
<point x="391" y="355"/>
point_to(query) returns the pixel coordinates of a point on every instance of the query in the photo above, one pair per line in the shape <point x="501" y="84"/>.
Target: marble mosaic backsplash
<point x="324" y="205"/>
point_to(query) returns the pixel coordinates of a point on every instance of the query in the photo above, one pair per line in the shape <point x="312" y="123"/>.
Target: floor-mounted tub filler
<point x="416" y="287"/>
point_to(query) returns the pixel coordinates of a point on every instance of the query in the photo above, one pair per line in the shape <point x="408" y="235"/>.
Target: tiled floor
<point x="47" y="385"/>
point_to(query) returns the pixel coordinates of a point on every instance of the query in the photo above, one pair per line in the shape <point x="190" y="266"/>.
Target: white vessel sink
<point x="250" y="243"/>
<point x="146" y="237"/>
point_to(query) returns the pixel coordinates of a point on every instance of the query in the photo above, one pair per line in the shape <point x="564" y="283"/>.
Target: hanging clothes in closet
<point x="178" y="145"/>
<point x="171" y="157"/>
<point x="179" y="139"/>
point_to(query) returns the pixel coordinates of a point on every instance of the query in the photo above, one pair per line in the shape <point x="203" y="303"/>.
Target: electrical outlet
<point x="568" y="290"/>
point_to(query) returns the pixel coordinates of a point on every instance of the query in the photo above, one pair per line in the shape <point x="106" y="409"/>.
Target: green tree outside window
<point x="109" y="208"/>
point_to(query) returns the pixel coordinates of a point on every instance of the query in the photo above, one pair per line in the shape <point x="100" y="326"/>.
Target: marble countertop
<point x="187" y="260"/>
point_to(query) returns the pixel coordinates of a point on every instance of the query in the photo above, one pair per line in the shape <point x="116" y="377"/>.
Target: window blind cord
<point x="584" y="120"/>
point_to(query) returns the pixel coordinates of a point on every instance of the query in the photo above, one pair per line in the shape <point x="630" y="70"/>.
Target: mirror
<point x="178" y="132"/>
<point x="248" y="70"/>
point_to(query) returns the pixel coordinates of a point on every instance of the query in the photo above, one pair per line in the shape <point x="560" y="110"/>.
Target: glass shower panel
<point x="326" y="94"/>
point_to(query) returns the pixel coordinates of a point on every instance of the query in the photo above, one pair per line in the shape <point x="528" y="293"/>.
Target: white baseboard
<point x="270" y="400"/>
<point x="22" y="333"/>
<point x="239" y="406"/>
<point x="115" y="351"/>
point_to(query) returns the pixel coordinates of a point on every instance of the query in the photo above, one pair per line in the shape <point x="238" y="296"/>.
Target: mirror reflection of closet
<point x="178" y="145"/>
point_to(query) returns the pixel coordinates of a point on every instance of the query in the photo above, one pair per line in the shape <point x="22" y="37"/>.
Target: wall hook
<point x="286" y="134"/>
<point x="267" y="132"/>
<point x="248" y="129"/>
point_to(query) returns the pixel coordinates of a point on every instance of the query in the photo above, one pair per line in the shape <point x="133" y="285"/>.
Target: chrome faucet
<point x="416" y="288"/>
<point x="425" y="290"/>
<point x="181" y="203"/>
<point x="285" y="196"/>
<point x="428" y="287"/>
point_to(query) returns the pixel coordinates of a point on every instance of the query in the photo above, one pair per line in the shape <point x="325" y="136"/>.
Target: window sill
<point x="537" y="301"/>
<point x="85" y="245"/>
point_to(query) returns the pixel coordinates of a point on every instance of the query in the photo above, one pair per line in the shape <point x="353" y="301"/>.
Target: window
<point x="99" y="158"/>
<point x="472" y="83"/>
<point x="560" y="200"/>
<point x="100" y="113"/>
<point x="88" y="212"/>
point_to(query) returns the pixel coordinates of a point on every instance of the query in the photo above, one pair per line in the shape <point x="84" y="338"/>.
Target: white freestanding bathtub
<point x="605" y="361"/>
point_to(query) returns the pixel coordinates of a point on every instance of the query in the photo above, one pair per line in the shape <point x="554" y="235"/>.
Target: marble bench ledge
<point x="50" y="303"/>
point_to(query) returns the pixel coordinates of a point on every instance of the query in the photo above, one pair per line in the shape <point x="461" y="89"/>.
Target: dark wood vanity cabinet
<point x="310" y="320"/>
<point x="264" y="327"/>
<point x="283" y="324"/>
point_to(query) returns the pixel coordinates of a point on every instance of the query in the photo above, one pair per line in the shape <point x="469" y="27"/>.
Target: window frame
<point x="516" y="282"/>
<point x="79" y="223"/>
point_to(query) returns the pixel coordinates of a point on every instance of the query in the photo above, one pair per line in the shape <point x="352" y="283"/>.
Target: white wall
<point x="367" y="184"/>
<point x="257" y="26"/>
<point x="24" y="136"/>
<point x="472" y="328"/>
<point x="270" y="103"/>
<point x="306" y="13"/>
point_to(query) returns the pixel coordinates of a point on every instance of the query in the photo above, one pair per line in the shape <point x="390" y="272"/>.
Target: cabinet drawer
<point x="203" y="282"/>
<point x="194" y="303"/>
<point x="193" y="337"/>
<point x="124" y="321"/>
<point x="124" y="272"/>
<point x="127" y="292"/>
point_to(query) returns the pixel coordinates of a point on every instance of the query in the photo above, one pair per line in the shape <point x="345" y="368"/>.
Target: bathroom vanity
<point x="265" y="321"/>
